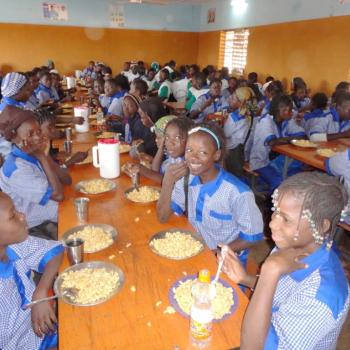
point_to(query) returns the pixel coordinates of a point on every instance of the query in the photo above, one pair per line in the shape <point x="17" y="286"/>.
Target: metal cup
<point x="68" y="145"/>
<point x="75" y="250"/>
<point x="68" y="134"/>
<point x="82" y="209"/>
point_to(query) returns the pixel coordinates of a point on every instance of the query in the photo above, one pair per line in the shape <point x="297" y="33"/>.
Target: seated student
<point x="28" y="175"/>
<point x="255" y="85"/>
<point x="126" y="69"/>
<point x="97" y="72"/>
<point x="209" y="103"/>
<point x="275" y="88"/>
<point x="179" y="87"/>
<point x="43" y="92"/>
<point x="275" y="128"/>
<point x="301" y="297"/>
<point x="192" y="71"/>
<point x="115" y="89"/>
<point x="221" y="208"/>
<point x="99" y="98"/>
<point x="238" y="127"/>
<point x="47" y="122"/>
<point x="197" y="89"/>
<point x="301" y="102"/>
<point x="319" y="111"/>
<point x="133" y="73"/>
<point x="88" y="70"/>
<point x="333" y="125"/>
<point x="32" y="102"/>
<point x="170" y="67"/>
<point x="150" y="111"/>
<point x="139" y="88"/>
<point x="172" y="143"/>
<point x="15" y="89"/>
<point x="341" y="87"/>
<point x="106" y="72"/>
<point x="165" y="88"/>
<point x="20" y="254"/>
<point x="232" y="86"/>
<point x="339" y="165"/>
<point x="151" y="80"/>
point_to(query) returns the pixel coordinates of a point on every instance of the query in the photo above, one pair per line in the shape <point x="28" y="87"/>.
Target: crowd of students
<point x="301" y="297"/>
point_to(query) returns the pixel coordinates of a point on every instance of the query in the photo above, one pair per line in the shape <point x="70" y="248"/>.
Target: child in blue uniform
<point x="43" y="92"/>
<point x="301" y="296"/>
<point x="20" y="328"/>
<point x="220" y="207"/>
<point x="299" y="96"/>
<point x="278" y="127"/>
<point x="339" y="165"/>
<point x="333" y="125"/>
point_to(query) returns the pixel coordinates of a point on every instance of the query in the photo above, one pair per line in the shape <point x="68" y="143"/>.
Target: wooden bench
<point x="252" y="176"/>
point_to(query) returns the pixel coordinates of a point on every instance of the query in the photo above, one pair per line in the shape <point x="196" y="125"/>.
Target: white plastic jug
<point x="82" y="112"/>
<point x="70" y="82"/>
<point x="106" y="157"/>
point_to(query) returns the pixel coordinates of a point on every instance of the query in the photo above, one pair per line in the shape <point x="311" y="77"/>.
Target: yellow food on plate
<point x="106" y="135"/>
<point x="177" y="245"/>
<point x="326" y="152"/>
<point x="94" y="237"/>
<point x="221" y="303"/>
<point x="304" y="143"/>
<point x="96" y="186"/>
<point x="145" y="194"/>
<point x="92" y="285"/>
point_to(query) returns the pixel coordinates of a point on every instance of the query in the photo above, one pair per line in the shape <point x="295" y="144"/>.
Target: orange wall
<point x="26" y="46"/>
<point x="208" y="48"/>
<point x="316" y="50"/>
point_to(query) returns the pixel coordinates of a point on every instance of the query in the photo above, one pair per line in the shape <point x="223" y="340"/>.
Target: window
<point x="233" y="50"/>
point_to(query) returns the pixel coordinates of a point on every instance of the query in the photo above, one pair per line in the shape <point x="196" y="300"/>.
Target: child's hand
<point x="131" y="169"/>
<point x="233" y="267"/>
<point x="160" y="141"/>
<point x="285" y="261"/>
<point x="175" y="172"/>
<point x="43" y="319"/>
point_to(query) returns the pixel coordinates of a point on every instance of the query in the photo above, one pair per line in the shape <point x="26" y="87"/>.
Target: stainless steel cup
<point x="68" y="146"/>
<point x="82" y="209"/>
<point x="68" y="134"/>
<point x="75" y="250"/>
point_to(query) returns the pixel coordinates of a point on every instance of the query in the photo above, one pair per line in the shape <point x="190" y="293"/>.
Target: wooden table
<point x="308" y="155"/>
<point x="176" y="107"/>
<point x="131" y="320"/>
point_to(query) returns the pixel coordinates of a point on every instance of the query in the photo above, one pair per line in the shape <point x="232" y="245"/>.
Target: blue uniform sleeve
<point x="249" y="220"/>
<point x="37" y="252"/>
<point x="339" y="164"/>
<point x="317" y="125"/>
<point x="178" y="198"/>
<point x="116" y="107"/>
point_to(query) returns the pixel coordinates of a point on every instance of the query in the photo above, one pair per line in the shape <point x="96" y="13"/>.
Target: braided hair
<point x="323" y="195"/>
<point x="43" y="115"/>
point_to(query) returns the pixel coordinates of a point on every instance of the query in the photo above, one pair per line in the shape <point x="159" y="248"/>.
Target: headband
<point x="208" y="131"/>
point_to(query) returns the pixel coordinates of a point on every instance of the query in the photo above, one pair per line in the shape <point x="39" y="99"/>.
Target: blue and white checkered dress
<point x="24" y="180"/>
<point x="16" y="290"/>
<point x="310" y="305"/>
<point x="221" y="210"/>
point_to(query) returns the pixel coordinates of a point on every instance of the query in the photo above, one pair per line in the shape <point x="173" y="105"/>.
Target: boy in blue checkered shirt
<point x="301" y="297"/>
<point x="20" y="327"/>
<point x="220" y="207"/>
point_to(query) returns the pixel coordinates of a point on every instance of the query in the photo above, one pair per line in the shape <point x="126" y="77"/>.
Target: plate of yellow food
<point x="326" y="152"/>
<point x="95" y="186"/>
<point x="224" y="303"/>
<point x="106" y="135"/>
<point x="124" y="148"/>
<point x="89" y="283"/>
<point x="96" y="237"/>
<point x="143" y="195"/>
<point x="176" y="244"/>
<point x="304" y="143"/>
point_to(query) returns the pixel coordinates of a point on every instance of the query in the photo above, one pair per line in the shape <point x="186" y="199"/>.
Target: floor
<point x="259" y="253"/>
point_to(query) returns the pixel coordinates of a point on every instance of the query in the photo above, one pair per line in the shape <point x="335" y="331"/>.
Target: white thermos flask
<point x="106" y="157"/>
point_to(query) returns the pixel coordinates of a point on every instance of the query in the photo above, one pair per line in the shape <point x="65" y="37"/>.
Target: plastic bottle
<point x="127" y="133"/>
<point x="201" y="311"/>
<point x="99" y="115"/>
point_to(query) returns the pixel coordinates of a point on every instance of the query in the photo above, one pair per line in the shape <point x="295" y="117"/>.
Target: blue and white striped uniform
<point x="16" y="290"/>
<point x="310" y="305"/>
<point x="220" y="104"/>
<point x="55" y="95"/>
<point x="221" y="210"/>
<point x="266" y="130"/>
<point x="32" y="103"/>
<point x="116" y="104"/>
<point x="299" y="104"/>
<point x="325" y="122"/>
<point x="339" y="165"/>
<point x="105" y="101"/>
<point x="236" y="129"/>
<point x="169" y="160"/>
<point x="43" y="94"/>
<point x="25" y="181"/>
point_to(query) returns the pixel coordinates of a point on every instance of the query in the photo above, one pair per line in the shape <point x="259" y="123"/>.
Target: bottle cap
<point x="204" y="276"/>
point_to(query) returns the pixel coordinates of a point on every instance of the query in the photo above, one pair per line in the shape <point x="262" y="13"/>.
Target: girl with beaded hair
<point x="301" y="296"/>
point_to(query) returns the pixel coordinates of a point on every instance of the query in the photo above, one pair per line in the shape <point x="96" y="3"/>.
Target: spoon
<point x="221" y="262"/>
<point x="69" y="293"/>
